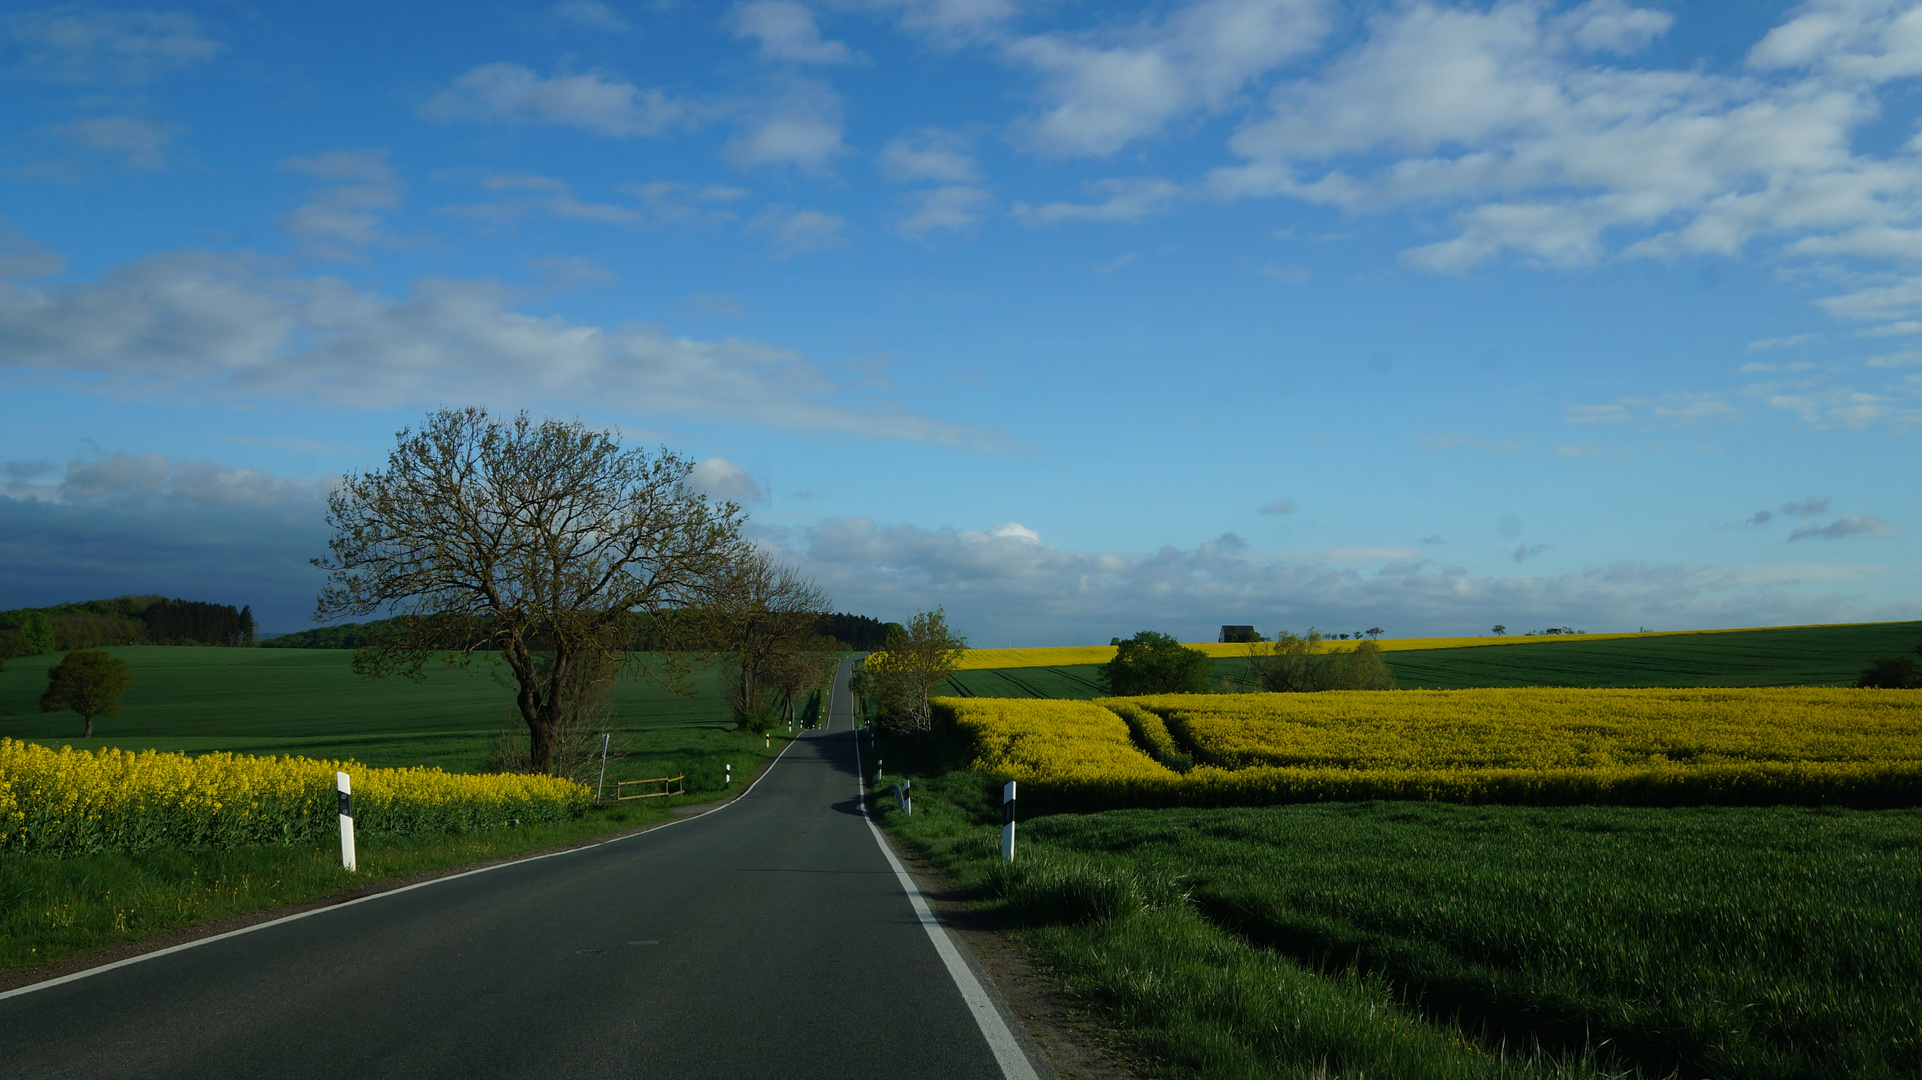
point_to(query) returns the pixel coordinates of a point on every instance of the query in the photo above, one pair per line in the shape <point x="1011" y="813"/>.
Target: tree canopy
<point x="916" y="658"/>
<point x="87" y="682"/>
<point x="537" y="542"/>
<point x="1155" y="663"/>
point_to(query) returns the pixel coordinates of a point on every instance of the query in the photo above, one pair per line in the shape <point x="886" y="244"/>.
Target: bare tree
<point x="760" y="619"/>
<point x="915" y="660"/>
<point x="535" y="541"/>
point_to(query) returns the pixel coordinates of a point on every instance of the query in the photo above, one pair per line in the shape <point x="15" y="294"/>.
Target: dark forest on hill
<point x="858" y="632"/>
<point x="126" y="620"/>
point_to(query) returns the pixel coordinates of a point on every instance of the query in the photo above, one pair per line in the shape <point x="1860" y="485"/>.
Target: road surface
<point x="769" y="938"/>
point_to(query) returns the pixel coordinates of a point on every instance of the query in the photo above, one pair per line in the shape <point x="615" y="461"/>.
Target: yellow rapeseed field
<point x="1660" y="747"/>
<point x="1043" y="739"/>
<point x="1544" y="728"/>
<point x="67" y="802"/>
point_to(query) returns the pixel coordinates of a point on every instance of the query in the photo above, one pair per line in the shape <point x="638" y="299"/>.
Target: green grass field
<point x="1416" y="940"/>
<point x="309" y="702"/>
<point x="1799" y="656"/>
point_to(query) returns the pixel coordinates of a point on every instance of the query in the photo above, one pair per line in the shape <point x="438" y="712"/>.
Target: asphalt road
<point x="770" y="938"/>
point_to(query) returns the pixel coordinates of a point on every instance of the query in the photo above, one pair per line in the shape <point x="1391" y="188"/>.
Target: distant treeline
<point x="857" y="632"/>
<point x="127" y="620"/>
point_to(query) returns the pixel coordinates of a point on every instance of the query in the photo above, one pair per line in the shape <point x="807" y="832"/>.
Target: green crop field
<point x="1797" y="656"/>
<point x="1419" y="940"/>
<point x="309" y="702"/>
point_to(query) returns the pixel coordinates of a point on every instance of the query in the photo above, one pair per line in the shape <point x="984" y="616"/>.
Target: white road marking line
<point x="78" y="975"/>
<point x="1007" y="1052"/>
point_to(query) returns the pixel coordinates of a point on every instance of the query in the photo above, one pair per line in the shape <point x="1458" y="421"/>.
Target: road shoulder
<point x="1073" y="1048"/>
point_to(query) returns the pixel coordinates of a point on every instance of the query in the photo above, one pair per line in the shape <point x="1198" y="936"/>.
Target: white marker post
<point x="1007" y="822"/>
<point x="729" y="780"/>
<point x="345" y="789"/>
<point x="602" y="782"/>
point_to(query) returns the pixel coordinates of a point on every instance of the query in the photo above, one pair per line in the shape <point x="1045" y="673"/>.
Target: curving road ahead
<point x="772" y="937"/>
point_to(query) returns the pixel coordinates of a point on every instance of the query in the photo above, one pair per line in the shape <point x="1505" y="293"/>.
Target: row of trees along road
<point x="557" y="551"/>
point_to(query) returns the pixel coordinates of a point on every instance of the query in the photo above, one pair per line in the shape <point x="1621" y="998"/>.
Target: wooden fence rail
<point x="670" y="785"/>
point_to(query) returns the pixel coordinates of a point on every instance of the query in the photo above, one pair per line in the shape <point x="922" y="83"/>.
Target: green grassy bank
<point x="1418" y="940"/>
<point x="1797" y="656"/>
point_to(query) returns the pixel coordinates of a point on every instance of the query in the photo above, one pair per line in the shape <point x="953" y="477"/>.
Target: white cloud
<point x="677" y="203"/>
<point x="1002" y="587"/>
<point x="518" y="195"/>
<point x="198" y="324"/>
<point x="929" y="154"/>
<point x="1105" y="91"/>
<point x="1128" y="199"/>
<point x="1672" y="410"/>
<point x="1870" y="40"/>
<point x="953" y="207"/>
<point x="1544" y="149"/>
<point x="1845" y="526"/>
<point x="1827" y="407"/>
<point x="1277" y="507"/>
<point x="140" y="143"/>
<point x="794" y="231"/>
<point x="952" y="21"/>
<point x="345" y="217"/>
<point x="787" y="32"/>
<point x="70" y="45"/>
<point x="1896" y="329"/>
<point x="720" y="478"/>
<point x="1782" y="342"/>
<point x="21" y="256"/>
<point x="801" y="127"/>
<point x="599" y="103"/>
<point x="590" y="15"/>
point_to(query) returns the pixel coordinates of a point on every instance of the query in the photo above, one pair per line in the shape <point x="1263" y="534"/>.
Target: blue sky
<point x="1076" y="319"/>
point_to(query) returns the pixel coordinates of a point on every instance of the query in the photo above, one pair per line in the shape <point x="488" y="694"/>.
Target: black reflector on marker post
<point x="1007" y="822"/>
<point x="345" y="790"/>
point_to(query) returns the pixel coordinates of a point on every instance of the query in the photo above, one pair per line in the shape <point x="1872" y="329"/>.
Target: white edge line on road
<point x="183" y="946"/>
<point x="1007" y="1051"/>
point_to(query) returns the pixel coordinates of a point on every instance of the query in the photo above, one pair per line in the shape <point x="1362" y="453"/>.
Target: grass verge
<point x="1419" y="940"/>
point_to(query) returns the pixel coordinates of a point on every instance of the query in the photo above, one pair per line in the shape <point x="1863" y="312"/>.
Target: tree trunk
<point x="540" y="745"/>
<point x="89" y="721"/>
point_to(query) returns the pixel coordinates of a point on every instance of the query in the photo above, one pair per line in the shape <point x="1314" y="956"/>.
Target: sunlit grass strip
<point x="1069" y="655"/>
<point x="58" y="803"/>
<point x="1547" y="747"/>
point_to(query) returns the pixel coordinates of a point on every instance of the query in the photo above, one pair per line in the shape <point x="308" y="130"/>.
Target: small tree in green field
<point x="88" y="682"/>
<point x="1153" y="663"/>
